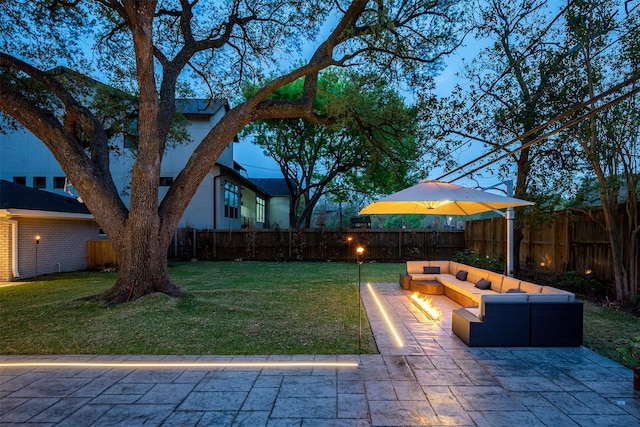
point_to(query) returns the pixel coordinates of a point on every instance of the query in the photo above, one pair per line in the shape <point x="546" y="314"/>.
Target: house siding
<point x="62" y="245"/>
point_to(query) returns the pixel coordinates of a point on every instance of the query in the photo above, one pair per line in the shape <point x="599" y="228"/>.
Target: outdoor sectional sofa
<point x="500" y="311"/>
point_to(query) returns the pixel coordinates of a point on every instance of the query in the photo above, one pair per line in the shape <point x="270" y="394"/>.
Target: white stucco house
<point x="226" y="199"/>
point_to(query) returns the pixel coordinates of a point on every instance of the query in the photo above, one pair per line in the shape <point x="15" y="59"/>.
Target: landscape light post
<point x="349" y="239"/>
<point x="37" y="238"/>
<point x="360" y="259"/>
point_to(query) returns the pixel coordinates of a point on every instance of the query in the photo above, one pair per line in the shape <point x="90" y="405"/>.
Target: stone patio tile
<point x="228" y="381"/>
<point x="166" y="393"/>
<point x="115" y="399"/>
<point x="302" y="407"/>
<point x="398" y="368"/>
<point x="251" y="419"/>
<point x="268" y="381"/>
<point x="408" y="390"/>
<point x="28" y="409"/>
<point x="452" y="377"/>
<point x="190" y="377"/>
<point x="353" y="406"/>
<point x="504" y="418"/>
<point x="486" y="398"/>
<point x="84" y="416"/>
<point x="380" y="390"/>
<point x="363" y="373"/>
<point x="151" y="376"/>
<point x="351" y="387"/>
<point x="610" y="389"/>
<point x="96" y="386"/>
<point x="419" y="362"/>
<point x="598" y="403"/>
<point x="213" y="401"/>
<point x="60" y="410"/>
<point x="315" y="422"/>
<point x="50" y="387"/>
<point x="567" y="403"/>
<point x="183" y="418"/>
<point x="260" y="399"/>
<point x="606" y="420"/>
<point x="443" y="362"/>
<point x="535" y="383"/>
<point x="217" y="419"/>
<point x="9" y="403"/>
<point x="308" y="387"/>
<point x="401" y="413"/>
<point x="285" y="422"/>
<point x="128" y="388"/>
<point x="451" y="414"/>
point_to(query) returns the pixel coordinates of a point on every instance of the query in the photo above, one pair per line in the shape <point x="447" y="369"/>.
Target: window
<point x="39" y="182"/>
<point x="22" y="180"/>
<point x="260" y="209"/>
<point x="231" y="200"/>
<point x="166" y="181"/>
<point x="58" y="182"/>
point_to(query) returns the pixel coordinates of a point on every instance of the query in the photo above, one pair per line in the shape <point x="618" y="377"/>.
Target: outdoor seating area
<point x="498" y="310"/>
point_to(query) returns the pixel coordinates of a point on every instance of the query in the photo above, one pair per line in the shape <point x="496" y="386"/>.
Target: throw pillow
<point x="462" y="275"/>
<point x="514" y="291"/>
<point x="431" y="270"/>
<point x="483" y="284"/>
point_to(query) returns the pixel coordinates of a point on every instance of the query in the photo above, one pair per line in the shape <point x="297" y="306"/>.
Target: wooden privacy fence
<point x="314" y="244"/>
<point x="100" y="254"/>
<point x="570" y="240"/>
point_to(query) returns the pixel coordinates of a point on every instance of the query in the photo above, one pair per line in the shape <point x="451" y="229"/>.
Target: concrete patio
<point x="422" y="376"/>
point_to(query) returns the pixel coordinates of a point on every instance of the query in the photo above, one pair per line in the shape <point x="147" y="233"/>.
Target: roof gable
<point x="17" y="196"/>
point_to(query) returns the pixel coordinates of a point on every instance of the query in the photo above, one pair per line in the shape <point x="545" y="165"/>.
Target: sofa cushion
<point x="431" y="270"/>
<point x="530" y="288"/>
<point x="549" y="298"/>
<point x="509" y="283"/>
<point x="416" y="267"/>
<point x="514" y="291"/>
<point x="444" y="265"/>
<point x="552" y="290"/>
<point x="495" y="279"/>
<point x="483" y="284"/>
<point x="462" y="275"/>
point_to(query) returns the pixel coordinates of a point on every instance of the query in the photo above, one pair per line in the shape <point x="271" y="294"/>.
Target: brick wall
<point x="5" y="252"/>
<point x="62" y="245"/>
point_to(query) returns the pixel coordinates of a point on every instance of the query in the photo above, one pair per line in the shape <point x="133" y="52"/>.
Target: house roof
<point x="200" y="107"/>
<point x="274" y="187"/>
<point x="17" y="196"/>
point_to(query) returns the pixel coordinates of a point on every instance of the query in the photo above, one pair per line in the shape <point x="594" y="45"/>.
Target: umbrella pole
<point x="509" y="218"/>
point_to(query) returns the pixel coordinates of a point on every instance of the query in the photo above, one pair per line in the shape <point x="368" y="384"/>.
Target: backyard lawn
<point x="233" y="308"/>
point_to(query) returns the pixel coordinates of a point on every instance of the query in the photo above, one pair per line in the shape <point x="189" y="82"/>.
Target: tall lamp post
<point x="37" y="238"/>
<point x="349" y="239"/>
<point x="360" y="259"/>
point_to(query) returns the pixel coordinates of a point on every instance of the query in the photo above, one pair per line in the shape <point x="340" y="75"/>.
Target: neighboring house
<point x="63" y="224"/>
<point x="225" y="199"/>
<point x="278" y="201"/>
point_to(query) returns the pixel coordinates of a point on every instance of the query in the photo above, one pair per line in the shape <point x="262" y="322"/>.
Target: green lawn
<point x="233" y="308"/>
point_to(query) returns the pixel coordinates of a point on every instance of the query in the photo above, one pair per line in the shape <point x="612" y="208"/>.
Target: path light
<point x="349" y="239"/>
<point x="37" y="239"/>
<point x="359" y="259"/>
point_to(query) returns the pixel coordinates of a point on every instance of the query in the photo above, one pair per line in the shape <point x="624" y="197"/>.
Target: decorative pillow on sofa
<point x="514" y="291"/>
<point x="483" y="284"/>
<point x="431" y="270"/>
<point x="462" y="275"/>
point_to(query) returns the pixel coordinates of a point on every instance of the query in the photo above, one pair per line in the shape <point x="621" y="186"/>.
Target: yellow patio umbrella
<point x="430" y="197"/>
<point x="441" y="198"/>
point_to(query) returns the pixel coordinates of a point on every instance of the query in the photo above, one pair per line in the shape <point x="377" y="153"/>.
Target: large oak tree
<point x="160" y="49"/>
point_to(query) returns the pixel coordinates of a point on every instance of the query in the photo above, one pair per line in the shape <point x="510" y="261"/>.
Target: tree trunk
<point x="142" y="268"/>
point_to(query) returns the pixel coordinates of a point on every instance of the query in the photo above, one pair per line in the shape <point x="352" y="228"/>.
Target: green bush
<point x="488" y="262"/>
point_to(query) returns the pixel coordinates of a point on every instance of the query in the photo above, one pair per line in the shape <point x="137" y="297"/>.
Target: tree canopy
<point x="369" y="148"/>
<point x="160" y="50"/>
